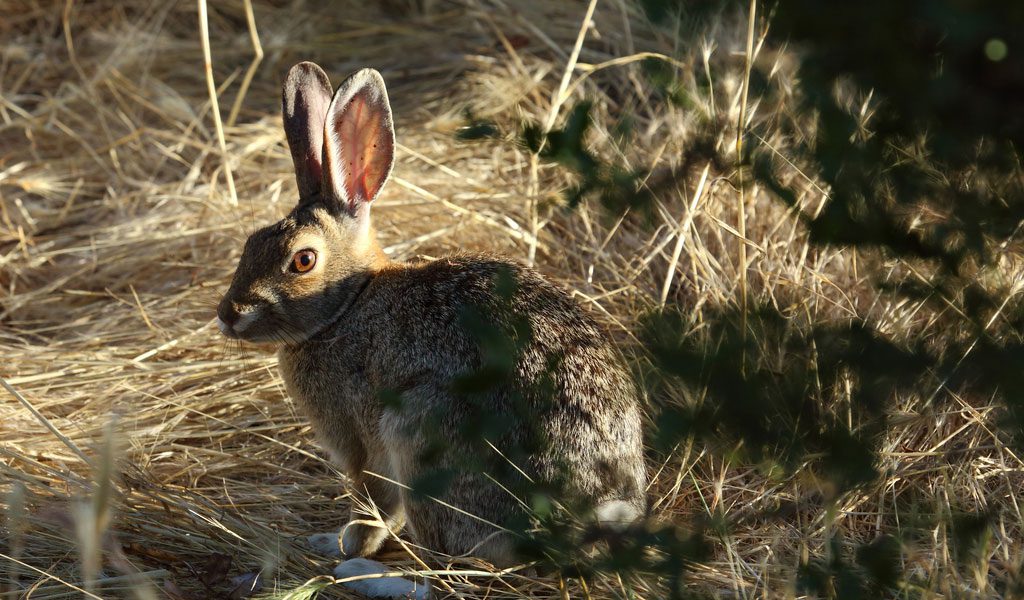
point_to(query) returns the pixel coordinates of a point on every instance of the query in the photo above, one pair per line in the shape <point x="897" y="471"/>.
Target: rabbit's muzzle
<point x="234" y="319"/>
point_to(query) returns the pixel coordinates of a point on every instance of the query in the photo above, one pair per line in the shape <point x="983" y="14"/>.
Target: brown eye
<point x="303" y="261"/>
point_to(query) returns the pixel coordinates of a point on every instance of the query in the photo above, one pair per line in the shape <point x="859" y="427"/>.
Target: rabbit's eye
<point x="303" y="261"/>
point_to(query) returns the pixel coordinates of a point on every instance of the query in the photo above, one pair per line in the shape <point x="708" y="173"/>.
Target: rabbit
<point x="355" y="328"/>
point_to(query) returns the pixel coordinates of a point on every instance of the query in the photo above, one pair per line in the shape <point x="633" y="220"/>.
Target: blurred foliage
<point x="873" y="573"/>
<point x="918" y="111"/>
<point x="614" y="185"/>
<point x="758" y="382"/>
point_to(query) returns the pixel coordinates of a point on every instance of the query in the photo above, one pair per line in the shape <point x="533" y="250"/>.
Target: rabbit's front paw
<point x="363" y="576"/>
<point x="360" y="538"/>
<point x="326" y="544"/>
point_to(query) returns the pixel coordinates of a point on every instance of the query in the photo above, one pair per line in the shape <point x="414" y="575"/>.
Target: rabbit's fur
<point x="375" y="351"/>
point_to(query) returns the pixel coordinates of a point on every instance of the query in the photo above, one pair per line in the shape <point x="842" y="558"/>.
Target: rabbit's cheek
<point x="305" y="287"/>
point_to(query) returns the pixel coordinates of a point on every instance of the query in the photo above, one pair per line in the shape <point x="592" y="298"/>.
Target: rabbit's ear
<point x="305" y="98"/>
<point x="359" y="141"/>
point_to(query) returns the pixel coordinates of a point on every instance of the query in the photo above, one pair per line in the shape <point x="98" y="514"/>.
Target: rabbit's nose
<point x="227" y="317"/>
<point x="234" y="318"/>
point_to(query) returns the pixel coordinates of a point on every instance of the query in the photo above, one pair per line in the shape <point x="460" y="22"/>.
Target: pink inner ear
<point x="365" y="147"/>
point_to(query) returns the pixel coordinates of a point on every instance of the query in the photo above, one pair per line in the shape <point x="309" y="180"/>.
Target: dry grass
<point x="118" y="233"/>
